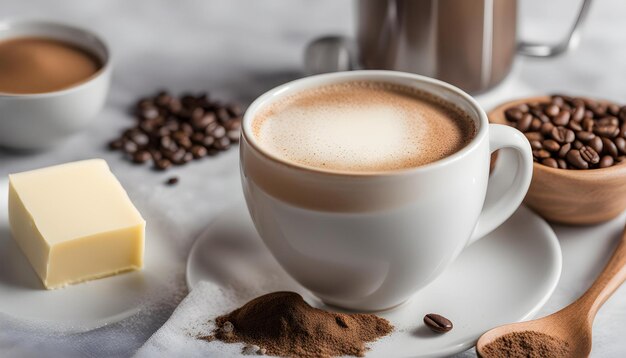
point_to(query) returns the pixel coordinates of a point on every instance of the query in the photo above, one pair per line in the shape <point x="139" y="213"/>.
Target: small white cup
<point x="42" y="120"/>
<point x="369" y="241"/>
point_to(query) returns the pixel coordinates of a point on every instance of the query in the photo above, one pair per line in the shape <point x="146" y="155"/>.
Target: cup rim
<point x="8" y="24"/>
<point x="365" y="75"/>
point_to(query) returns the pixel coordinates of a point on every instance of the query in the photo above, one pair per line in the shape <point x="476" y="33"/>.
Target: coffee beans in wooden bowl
<point x="572" y="132"/>
<point x="579" y="147"/>
<point x="171" y="130"/>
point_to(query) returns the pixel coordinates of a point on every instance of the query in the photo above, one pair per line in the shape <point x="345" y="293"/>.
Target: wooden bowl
<point x="574" y="197"/>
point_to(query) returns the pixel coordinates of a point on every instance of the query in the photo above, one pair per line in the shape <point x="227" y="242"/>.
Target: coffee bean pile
<point x="172" y="130"/>
<point x="572" y="132"/>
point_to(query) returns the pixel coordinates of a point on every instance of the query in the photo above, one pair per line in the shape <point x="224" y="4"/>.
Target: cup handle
<point x="503" y="199"/>
<point x="570" y="41"/>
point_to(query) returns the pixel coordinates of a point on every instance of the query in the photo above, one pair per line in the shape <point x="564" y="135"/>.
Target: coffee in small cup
<point x="30" y="65"/>
<point x="362" y="127"/>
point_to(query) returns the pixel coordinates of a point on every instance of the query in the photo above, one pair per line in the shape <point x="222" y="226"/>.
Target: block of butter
<point x="74" y="222"/>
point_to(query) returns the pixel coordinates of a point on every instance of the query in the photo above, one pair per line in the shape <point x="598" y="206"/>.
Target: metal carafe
<point x="468" y="43"/>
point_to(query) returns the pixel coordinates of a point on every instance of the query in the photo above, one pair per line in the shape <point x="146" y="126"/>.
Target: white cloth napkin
<point x="194" y="318"/>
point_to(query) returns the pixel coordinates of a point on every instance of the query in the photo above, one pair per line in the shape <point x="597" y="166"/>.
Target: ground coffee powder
<point x="526" y="344"/>
<point x="283" y="324"/>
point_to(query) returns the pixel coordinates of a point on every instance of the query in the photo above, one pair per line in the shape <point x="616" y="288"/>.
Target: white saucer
<point x="505" y="277"/>
<point x="78" y="307"/>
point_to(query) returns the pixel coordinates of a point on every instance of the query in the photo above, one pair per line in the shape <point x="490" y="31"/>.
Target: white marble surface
<point x="237" y="49"/>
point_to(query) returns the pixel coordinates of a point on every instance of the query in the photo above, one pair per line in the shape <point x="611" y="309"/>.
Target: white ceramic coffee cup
<point x="41" y="120"/>
<point x="369" y="241"/>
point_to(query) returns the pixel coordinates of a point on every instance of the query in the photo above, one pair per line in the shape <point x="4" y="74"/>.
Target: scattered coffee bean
<point x="176" y="130"/>
<point x="172" y="181"/>
<point x="572" y="132"/>
<point x="437" y="323"/>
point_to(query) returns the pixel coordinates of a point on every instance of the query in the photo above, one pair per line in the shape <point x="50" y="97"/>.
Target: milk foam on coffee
<point x="362" y="127"/>
<point x="39" y="65"/>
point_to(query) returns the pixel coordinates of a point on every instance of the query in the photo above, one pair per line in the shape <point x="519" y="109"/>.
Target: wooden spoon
<point x="573" y="323"/>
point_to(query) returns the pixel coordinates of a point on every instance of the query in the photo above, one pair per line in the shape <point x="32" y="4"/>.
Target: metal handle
<point x="569" y="42"/>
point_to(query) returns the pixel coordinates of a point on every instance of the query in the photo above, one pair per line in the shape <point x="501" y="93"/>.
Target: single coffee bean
<point x="535" y="144"/>
<point x="564" y="149"/>
<point x="222" y="143"/>
<point x="589" y="155"/>
<point x="222" y="115"/>
<point x="140" y="138"/>
<point x="208" y="142"/>
<point x="620" y="143"/>
<point x="524" y="123"/>
<point x="541" y="154"/>
<point x="622" y="130"/>
<point x="546" y="128"/>
<point x="218" y="132"/>
<point x="562" y="135"/>
<point x="233" y="135"/>
<point x="606" y="161"/>
<point x="551" y="145"/>
<point x="149" y="113"/>
<point x="552" y="110"/>
<point x="557" y="100"/>
<point x="162" y="164"/>
<point x="535" y="125"/>
<point x="130" y="147"/>
<point x="608" y="131"/>
<point x="187" y="158"/>
<point x="561" y="119"/>
<point x="609" y="147"/>
<point x="575" y="159"/>
<point x="577" y="144"/>
<point x="613" y="109"/>
<point x="575" y="126"/>
<point x="585" y="136"/>
<point x="141" y="156"/>
<point x="533" y="136"/>
<point x="596" y="144"/>
<point x="522" y="107"/>
<point x="172" y="181"/>
<point x="550" y="162"/>
<point x="437" y="323"/>
<point x="587" y="124"/>
<point x="198" y="151"/>
<point x="513" y="114"/>
<point x="116" y="144"/>
<point x="622" y="114"/>
<point x="562" y="163"/>
<point x="599" y="110"/>
<point x="203" y="121"/>
<point x="579" y="113"/>
<point x="608" y="121"/>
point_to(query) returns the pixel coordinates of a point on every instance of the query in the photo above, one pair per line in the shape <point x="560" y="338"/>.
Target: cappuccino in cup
<point x="362" y="127"/>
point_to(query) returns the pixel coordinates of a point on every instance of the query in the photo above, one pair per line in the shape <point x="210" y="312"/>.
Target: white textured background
<point x="238" y="49"/>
